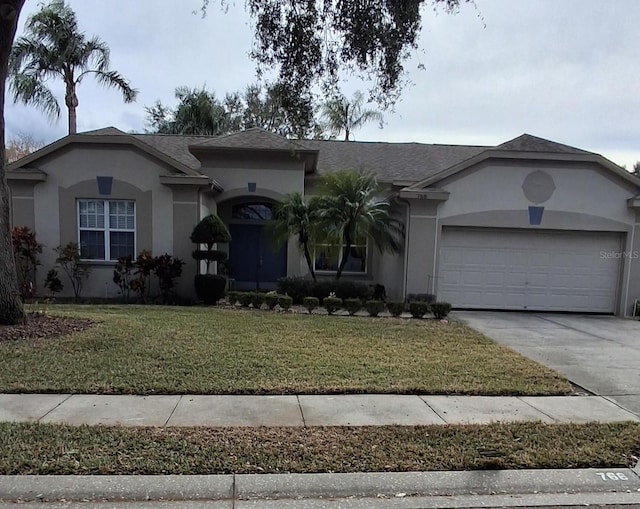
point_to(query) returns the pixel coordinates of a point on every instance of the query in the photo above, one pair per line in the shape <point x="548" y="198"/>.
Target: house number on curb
<point x="612" y="476"/>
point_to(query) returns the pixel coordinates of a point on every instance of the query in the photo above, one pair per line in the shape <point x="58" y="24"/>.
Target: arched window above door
<point x="256" y="211"/>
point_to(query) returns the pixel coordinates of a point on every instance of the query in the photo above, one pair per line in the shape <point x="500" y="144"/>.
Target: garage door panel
<point x="541" y="270"/>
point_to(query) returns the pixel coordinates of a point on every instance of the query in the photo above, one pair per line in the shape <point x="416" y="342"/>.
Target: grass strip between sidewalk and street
<point x="60" y="449"/>
<point x="194" y="350"/>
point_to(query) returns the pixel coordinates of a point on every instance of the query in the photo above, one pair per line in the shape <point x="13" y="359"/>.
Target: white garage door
<point x="533" y="270"/>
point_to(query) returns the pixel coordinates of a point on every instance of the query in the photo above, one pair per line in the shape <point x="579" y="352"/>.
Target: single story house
<point x="527" y="225"/>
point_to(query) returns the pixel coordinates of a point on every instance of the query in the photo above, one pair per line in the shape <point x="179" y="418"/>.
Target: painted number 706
<point x="612" y="476"/>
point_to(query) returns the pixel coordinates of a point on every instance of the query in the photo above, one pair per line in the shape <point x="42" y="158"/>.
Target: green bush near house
<point x="332" y="304"/>
<point x="285" y="302"/>
<point x="311" y="303"/>
<point x="233" y="297"/>
<point x="440" y="309"/>
<point x="257" y="299"/>
<point x="299" y="288"/>
<point x="271" y="300"/>
<point x="374" y="307"/>
<point x="352" y="305"/>
<point x="245" y="299"/>
<point x="396" y="308"/>
<point x="418" y="308"/>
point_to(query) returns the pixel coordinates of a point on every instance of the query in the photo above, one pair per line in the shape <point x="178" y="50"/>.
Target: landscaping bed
<point x="190" y="350"/>
<point x="57" y="449"/>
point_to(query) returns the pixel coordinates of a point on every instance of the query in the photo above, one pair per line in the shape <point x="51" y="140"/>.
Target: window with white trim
<point x="106" y="229"/>
<point x="329" y="256"/>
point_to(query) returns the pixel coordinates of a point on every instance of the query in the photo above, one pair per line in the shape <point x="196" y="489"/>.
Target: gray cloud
<point x="561" y="70"/>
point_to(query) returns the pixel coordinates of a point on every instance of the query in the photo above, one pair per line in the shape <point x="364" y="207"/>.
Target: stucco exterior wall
<point x="583" y="197"/>
<point x="71" y="175"/>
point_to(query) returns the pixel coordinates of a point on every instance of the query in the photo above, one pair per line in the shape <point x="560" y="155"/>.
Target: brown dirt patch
<point x="42" y="327"/>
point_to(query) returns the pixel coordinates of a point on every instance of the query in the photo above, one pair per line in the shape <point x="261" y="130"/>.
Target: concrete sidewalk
<point x="304" y="410"/>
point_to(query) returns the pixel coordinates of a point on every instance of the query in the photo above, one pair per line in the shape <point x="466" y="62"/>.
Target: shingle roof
<point x="389" y="161"/>
<point x="528" y="143"/>
<point x="254" y="138"/>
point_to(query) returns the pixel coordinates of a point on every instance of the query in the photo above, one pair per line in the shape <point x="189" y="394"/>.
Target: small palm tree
<point x="53" y="47"/>
<point x="340" y="114"/>
<point x="295" y="216"/>
<point x="350" y="208"/>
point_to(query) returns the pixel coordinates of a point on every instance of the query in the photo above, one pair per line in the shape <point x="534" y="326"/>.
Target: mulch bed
<point x="38" y="326"/>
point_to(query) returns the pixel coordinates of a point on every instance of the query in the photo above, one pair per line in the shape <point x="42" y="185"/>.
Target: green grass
<point x="171" y="350"/>
<point x="55" y="449"/>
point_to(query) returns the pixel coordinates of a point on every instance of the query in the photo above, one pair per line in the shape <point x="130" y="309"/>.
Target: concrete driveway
<point x="599" y="353"/>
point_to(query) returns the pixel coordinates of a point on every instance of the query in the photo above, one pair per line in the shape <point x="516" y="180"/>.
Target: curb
<point x="374" y="485"/>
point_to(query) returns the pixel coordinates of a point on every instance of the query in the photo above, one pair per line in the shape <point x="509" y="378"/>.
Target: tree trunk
<point x="71" y="100"/>
<point x="346" y="251"/>
<point x="307" y="257"/>
<point x="11" y="310"/>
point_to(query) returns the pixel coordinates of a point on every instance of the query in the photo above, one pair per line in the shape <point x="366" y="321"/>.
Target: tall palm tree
<point x="340" y="114"/>
<point x="53" y="47"/>
<point x="350" y="208"/>
<point x="295" y="216"/>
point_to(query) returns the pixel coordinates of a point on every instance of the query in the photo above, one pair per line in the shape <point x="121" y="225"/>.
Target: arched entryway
<point x="255" y="262"/>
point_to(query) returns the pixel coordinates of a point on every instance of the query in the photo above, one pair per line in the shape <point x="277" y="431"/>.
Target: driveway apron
<point x="599" y="353"/>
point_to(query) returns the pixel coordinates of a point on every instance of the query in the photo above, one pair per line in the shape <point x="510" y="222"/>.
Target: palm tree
<point x="350" y="208"/>
<point x="295" y="216"/>
<point x="53" y="47"/>
<point x="340" y="114"/>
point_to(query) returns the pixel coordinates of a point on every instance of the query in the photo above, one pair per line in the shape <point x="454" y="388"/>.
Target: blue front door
<point x="256" y="264"/>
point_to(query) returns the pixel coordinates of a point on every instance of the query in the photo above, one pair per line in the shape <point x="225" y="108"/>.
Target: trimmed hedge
<point x="396" y="308"/>
<point x="311" y="303"/>
<point x="285" y="302"/>
<point x="440" y="309"/>
<point x="332" y="304"/>
<point x="418" y="308"/>
<point x="352" y="305"/>
<point x="374" y="307"/>
<point x="300" y="287"/>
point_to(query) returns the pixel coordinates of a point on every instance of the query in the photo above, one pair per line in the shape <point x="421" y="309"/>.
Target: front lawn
<point x="172" y="350"/>
<point x="56" y="449"/>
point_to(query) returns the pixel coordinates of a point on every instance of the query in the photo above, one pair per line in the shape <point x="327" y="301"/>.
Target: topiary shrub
<point x="271" y="300"/>
<point x="285" y="302"/>
<point x="210" y="288"/>
<point x="396" y="308"/>
<point x="440" y="309"/>
<point x="245" y="299"/>
<point x="418" y="308"/>
<point x="310" y="303"/>
<point x="352" y="305"/>
<point x="209" y="231"/>
<point x="374" y="307"/>
<point x="233" y="297"/>
<point x="257" y="299"/>
<point x="332" y="304"/>
<point x="421" y="297"/>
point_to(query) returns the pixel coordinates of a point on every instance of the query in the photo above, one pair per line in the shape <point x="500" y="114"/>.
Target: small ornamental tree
<point x="208" y="232"/>
<point x="26" y="250"/>
<point x="69" y="261"/>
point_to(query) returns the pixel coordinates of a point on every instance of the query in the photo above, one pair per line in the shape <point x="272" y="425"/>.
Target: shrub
<point x="123" y="275"/>
<point x="210" y="288"/>
<point x="233" y="297"/>
<point x="145" y="263"/>
<point x="352" y="305"/>
<point x="285" y="301"/>
<point x="332" y="304"/>
<point x="52" y="282"/>
<point x="245" y="299"/>
<point x="69" y="261"/>
<point x="311" y="303"/>
<point x="418" y="308"/>
<point x="374" y="307"/>
<point x="396" y="308"/>
<point x="440" y="309"/>
<point x="257" y="299"/>
<point x="271" y="300"/>
<point x="25" y="252"/>
<point x="167" y="269"/>
<point x="421" y="297"/>
<point x="296" y="287"/>
<point x="351" y="290"/>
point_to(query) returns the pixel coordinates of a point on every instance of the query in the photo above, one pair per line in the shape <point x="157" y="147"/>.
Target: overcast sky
<point x="562" y="70"/>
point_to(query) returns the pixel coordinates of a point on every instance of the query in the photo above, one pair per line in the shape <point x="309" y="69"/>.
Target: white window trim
<point x="107" y="229"/>
<point x="355" y="273"/>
